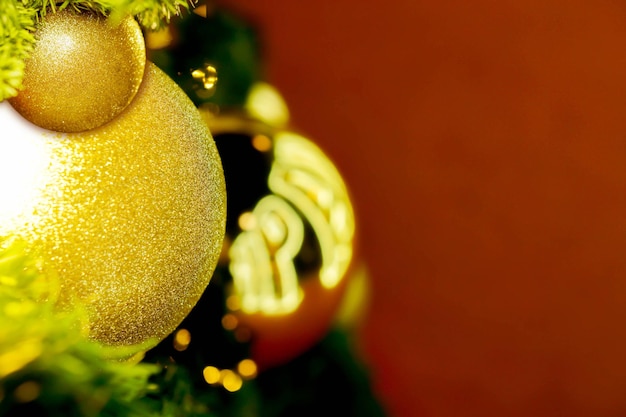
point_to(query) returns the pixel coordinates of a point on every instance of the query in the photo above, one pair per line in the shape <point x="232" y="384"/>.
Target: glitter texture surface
<point x="82" y="73"/>
<point x="132" y="216"/>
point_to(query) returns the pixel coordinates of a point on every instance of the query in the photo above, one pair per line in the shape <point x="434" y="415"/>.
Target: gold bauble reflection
<point x="82" y="73"/>
<point x="131" y="215"/>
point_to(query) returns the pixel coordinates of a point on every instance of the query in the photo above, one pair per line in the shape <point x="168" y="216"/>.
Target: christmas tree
<point x="169" y="244"/>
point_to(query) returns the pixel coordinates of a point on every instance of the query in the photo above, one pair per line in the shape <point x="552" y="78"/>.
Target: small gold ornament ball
<point x="83" y="72"/>
<point x="131" y="215"/>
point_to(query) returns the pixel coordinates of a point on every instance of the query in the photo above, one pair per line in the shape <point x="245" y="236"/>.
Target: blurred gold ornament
<point x="130" y="215"/>
<point x="83" y="72"/>
<point x="290" y="233"/>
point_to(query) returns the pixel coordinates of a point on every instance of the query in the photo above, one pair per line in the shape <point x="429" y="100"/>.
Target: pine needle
<point x="16" y="42"/>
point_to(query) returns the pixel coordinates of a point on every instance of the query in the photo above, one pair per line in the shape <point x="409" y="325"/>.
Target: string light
<point x="182" y="339"/>
<point x="207" y="78"/>
<point x="27" y="391"/>
<point x="232" y="302"/>
<point x="261" y="143"/>
<point x="247" y="368"/>
<point x="230" y="379"/>
<point x="211" y="375"/>
<point x="229" y="322"/>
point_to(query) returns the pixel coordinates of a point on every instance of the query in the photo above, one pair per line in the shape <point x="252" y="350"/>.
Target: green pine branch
<point x="17" y="23"/>
<point x="18" y="20"/>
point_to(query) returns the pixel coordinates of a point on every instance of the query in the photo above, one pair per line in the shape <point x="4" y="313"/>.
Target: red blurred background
<point x="485" y="146"/>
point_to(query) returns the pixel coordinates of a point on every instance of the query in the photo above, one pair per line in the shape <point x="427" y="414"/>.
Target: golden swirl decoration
<point x="306" y="185"/>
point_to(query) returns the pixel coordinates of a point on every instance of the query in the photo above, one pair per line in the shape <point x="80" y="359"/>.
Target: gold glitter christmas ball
<point x="131" y="215"/>
<point x="82" y="73"/>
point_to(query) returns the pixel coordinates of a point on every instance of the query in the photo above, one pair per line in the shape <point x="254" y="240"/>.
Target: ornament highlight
<point x="83" y="72"/>
<point x="131" y="215"/>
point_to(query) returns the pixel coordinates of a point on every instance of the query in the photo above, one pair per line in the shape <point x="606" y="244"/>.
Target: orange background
<point x="485" y="146"/>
